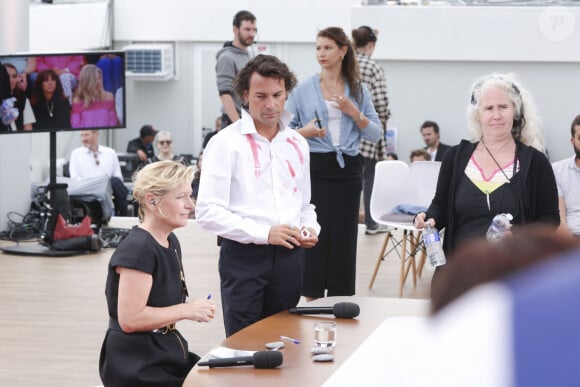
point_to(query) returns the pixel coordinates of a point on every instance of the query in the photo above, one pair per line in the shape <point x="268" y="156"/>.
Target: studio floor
<point x="54" y="317"/>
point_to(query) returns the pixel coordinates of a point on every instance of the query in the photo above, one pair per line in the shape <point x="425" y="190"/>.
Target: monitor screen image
<point x="62" y="91"/>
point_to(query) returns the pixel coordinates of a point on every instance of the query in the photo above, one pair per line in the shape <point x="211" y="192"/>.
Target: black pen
<point x="318" y="120"/>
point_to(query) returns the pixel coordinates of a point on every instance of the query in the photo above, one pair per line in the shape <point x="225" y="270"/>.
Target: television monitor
<point x="64" y="91"/>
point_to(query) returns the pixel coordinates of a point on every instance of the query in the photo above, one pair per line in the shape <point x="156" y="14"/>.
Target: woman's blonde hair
<point x="90" y="87"/>
<point x="158" y="179"/>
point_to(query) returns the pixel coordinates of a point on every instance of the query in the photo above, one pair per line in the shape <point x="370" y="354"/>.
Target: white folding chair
<point x="425" y="175"/>
<point x="393" y="186"/>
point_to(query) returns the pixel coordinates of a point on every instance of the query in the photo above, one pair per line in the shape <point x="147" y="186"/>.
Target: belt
<point x="114" y="324"/>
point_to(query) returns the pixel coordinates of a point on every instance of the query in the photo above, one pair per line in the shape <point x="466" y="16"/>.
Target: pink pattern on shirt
<point x="292" y="173"/>
<point x="495" y="172"/>
<point x="294" y="142"/>
<point x="255" y="147"/>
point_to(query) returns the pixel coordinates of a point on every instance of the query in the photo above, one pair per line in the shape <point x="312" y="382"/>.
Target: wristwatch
<point x="361" y="117"/>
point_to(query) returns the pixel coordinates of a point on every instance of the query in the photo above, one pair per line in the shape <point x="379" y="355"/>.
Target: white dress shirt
<point x="249" y="184"/>
<point x="84" y="163"/>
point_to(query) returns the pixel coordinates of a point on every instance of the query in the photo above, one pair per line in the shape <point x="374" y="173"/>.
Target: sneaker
<point x="377" y="230"/>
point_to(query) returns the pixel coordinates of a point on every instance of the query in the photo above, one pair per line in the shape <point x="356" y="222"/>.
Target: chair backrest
<point x="393" y="185"/>
<point x="129" y="162"/>
<point x="425" y="175"/>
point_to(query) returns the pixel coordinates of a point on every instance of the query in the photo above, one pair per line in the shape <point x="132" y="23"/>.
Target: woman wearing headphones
<point x="146" y="291"/>
<point x="501" y="170"/>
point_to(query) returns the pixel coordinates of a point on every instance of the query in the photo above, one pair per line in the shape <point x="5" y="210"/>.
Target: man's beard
<point x="244" y="42"/>
<point x="577" y="150"/>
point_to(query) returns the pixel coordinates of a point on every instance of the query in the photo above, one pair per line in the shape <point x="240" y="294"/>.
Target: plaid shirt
<point x="373" y="77"/>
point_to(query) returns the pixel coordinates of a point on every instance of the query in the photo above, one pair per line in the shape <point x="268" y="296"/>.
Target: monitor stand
<point x="58" y="203"/>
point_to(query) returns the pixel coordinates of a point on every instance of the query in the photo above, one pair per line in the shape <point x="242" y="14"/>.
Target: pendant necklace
<point x="50" y="108"/>
<point x="501" y="169"/>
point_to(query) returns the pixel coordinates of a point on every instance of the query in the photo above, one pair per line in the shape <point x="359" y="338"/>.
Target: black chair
<point x="129" y="163"/>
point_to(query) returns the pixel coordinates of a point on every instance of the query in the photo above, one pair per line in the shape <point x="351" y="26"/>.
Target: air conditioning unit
<point x="150" y="61"/>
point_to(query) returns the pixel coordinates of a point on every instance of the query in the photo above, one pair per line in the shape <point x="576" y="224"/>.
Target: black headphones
<point x="519" y="120"/>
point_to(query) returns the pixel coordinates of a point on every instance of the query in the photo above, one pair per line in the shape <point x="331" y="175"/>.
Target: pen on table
<point x="295" y="341"/>
<point x="318" y="120"/>
<point x="208" y="297"/>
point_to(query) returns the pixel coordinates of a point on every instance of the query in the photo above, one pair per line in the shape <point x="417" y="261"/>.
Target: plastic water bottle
<point x="498" y="227"/>
<point x="433" y="246"/>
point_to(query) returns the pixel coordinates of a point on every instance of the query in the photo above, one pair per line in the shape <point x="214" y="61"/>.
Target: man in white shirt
<point x="567" y="173"/>
<point x="255" y="194"/>
<point x="92" y="160"/>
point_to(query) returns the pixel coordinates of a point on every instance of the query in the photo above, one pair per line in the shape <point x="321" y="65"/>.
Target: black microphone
<point x="340" y="310"/>
<point x="260" y="359"/>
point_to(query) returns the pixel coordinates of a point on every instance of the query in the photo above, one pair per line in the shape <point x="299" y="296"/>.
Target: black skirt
<point x="145" y="359"/>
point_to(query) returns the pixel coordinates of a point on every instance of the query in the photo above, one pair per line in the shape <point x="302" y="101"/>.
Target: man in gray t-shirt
<point x="230" y="60"/>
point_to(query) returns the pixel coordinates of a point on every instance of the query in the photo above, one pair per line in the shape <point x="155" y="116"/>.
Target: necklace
<point x="334" y="89"/>
<point x="495" y="161"/>
<point x="50" y="108"/>
<point x="181" y="277"/>
<point x="508" y="180"/>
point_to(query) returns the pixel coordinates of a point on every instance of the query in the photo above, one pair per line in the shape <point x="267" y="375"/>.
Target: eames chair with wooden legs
<point x="394" y="186"/>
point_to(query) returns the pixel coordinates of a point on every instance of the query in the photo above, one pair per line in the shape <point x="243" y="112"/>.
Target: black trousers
<point x="120" y="193"/>
<point x="257" y="281"/>
<point x="331" y="264"/>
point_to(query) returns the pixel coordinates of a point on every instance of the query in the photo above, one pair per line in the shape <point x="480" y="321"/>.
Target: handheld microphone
<point x="340" y="310"/>
<point x="260" y="359"/>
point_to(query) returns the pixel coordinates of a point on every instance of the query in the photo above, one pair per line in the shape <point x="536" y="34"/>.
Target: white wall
<point x="431" y="56"/>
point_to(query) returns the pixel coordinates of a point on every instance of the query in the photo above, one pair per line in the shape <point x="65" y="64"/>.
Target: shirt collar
<point x="90" y="151"/>
<point x="572" y="163"/>
<point x="248" y="122"/>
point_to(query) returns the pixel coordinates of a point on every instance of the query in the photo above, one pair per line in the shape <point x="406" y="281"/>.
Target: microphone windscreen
<point x="267" y="359"/>
<point x="346" y="310"/>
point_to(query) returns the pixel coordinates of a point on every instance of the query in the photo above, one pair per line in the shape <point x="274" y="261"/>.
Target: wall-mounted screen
<point x="64" y="91"/>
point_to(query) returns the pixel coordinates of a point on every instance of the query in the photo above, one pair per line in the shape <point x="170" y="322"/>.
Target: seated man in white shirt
<point x="567" y="173"/>
<point x="92" y="160"/>
<point x="255" y="194"/>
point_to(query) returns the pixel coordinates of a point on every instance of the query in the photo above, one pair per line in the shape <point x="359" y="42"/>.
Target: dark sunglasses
<point x="164" y="142"/>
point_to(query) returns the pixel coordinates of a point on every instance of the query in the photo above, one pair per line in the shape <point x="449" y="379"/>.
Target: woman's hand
<point x="201" y="310"/>
<point x="310" y="130"/>
<point x="420" y="222"/>
<point x="346" y="106"/>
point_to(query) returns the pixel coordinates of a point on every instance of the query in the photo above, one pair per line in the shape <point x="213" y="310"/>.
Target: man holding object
<point x="255" y="194"/>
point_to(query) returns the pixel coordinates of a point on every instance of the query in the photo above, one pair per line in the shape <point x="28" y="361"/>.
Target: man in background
<point x="143" y="145"/>
<point x="430" y="133"/>
<point x="230" y="60"/>
<point x="567" y="173"/>
<point x="92" y="159"/>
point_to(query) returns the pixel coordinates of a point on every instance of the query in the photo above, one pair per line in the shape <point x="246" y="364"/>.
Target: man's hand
<point x="284" y="235"/>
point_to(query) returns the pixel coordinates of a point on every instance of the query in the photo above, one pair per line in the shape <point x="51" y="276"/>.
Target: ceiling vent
<point x="150" y="61"/>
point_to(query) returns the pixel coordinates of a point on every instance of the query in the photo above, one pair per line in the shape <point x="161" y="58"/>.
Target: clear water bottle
<point x="432" y="242"/>
<point x="498" y="227"/>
